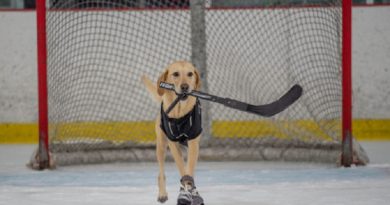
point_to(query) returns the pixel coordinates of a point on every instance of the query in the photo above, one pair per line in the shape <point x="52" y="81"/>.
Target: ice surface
<point x="224" y="183"/>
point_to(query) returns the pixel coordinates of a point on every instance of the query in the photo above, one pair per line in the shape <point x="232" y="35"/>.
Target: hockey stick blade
<point x="279" y="105"/>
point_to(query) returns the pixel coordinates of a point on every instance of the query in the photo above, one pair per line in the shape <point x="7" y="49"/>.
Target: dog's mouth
<point x="183" y="94"/>
<point x="185" y="97"/>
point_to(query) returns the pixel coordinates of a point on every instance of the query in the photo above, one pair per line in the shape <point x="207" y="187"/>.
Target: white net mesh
<point x="99" y="110"/>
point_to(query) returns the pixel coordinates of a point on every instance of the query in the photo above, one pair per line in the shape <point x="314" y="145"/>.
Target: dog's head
<point x="183" y="75"/>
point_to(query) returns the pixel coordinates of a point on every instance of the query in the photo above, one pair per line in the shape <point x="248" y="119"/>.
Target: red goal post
<point x="346" y="159"/>
<point x="347" y="142"/>
<point x="43" y="156"/>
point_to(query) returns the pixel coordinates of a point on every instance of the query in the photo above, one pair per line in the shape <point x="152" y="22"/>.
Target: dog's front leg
<point x="188" y="192"/>
<point x="161" y="147"/>
<point x="193" y="153"/>
<point x="174" y="147"/>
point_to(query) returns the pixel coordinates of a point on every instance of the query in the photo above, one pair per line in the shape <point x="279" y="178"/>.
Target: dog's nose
<point x="184" y="87"/>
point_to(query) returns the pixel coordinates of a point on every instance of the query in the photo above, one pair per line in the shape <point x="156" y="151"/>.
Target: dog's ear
<point x="162" y="78"/>
<point x="197" y="80"/>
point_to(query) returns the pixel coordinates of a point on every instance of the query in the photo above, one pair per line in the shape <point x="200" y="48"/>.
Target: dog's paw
<point x="162" y="198"/>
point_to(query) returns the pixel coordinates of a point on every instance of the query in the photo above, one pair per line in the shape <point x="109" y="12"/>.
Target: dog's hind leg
<point x="161" y="147"/>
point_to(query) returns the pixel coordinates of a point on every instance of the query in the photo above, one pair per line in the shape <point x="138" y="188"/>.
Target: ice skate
<point x="185" y="197"/>
<point x="196" y="198"/>
<point x="188" y="194"/>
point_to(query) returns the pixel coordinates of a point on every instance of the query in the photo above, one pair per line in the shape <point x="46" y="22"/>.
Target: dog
<point x="182" y="126"/>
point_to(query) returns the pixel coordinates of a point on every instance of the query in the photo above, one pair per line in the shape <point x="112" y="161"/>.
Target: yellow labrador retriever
<point x="181" y="126"/>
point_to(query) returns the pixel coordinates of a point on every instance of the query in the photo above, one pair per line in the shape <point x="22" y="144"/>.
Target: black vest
<point x="185" y="128"/>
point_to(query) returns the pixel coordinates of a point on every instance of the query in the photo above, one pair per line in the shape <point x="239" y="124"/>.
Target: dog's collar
<point x="186" y="116"/>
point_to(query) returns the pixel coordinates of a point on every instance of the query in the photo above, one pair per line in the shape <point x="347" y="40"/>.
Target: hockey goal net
<point x="97" y="50"/>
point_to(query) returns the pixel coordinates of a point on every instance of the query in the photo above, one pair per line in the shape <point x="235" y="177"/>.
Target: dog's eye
<point x="190" y="74"/>
<point x="176" y="74"/>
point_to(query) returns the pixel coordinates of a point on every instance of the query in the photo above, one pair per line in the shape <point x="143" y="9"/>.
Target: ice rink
<point x="222" y="183"/>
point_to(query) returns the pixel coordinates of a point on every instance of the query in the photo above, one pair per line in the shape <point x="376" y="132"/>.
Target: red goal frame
<point x="346" y="158"/>
<point x="43" y="128"/>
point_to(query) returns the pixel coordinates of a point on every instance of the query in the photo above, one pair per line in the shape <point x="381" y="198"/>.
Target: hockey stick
<point x="266" y="110"/>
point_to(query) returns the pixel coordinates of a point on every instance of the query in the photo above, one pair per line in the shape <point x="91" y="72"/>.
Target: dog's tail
<point x="152" y="88"/>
